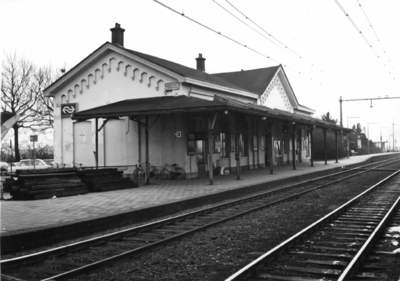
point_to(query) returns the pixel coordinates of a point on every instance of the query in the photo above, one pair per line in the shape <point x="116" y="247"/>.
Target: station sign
<point x="172" y="86"/>
<point x="33" y="137"/>
<point x="67" y="109"/>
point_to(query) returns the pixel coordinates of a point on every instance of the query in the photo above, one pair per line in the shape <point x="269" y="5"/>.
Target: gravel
<point x="216" y="253"/>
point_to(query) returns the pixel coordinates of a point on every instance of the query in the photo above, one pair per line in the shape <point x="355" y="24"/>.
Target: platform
<point x="25" y="224"/>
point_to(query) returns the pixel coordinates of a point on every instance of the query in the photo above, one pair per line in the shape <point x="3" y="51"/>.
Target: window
<point x="217" y="143"/>
<point x="255" y="143"/>
<point x="223" y="145"/>
<point x="243" y="144"/>
<point x="262" y="143"/>
<point x="191" y="142"/>
<point x="233" y="143"/>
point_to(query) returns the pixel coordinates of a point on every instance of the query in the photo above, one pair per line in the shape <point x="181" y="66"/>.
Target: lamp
<point x="226" y="111"/>
<point x="264" y="118"/>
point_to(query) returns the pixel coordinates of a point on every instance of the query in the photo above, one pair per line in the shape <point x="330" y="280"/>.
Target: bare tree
<point x="18" y="95"/>
<point x="44" y="108"/>
<point x="22" y="86"/>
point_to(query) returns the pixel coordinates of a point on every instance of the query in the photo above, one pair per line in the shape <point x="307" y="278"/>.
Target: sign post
<point x="34" y="139"/>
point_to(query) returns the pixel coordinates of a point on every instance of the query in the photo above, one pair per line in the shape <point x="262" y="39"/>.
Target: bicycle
<point x="174" y="171"/>
<point x="140" y="172"/>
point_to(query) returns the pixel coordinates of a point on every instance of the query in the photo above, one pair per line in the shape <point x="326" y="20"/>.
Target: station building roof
<point x="184" y="104"/>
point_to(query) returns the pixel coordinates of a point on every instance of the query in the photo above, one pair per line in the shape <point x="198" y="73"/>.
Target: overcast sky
<point x="325" y="56"/>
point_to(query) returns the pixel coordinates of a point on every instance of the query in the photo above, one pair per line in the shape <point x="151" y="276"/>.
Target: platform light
<point x="226" y="111"/>
<point x="264" y="118"/>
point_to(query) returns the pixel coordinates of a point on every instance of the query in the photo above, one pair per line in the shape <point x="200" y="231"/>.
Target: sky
<point x="321" y="49"/>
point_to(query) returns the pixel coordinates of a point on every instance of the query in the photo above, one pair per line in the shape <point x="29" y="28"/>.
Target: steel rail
<point x="351" y="268"/>
<point x="249" y="269"/>
<point x="114" y="236"/>
<point x="8" y="263"/>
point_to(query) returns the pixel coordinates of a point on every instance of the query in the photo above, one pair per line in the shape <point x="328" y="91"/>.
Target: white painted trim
<point x="108" y="47"/>
<point x="220" y="88"/>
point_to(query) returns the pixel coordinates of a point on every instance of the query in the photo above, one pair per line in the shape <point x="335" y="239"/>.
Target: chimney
<point x="117" y="35"/>
<point x="200" y="63"/>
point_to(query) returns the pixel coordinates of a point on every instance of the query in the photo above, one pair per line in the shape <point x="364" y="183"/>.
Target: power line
<point x="376" y="35"/>
<point x="355" y="26"/>
<point x="227" y="37"/>
<point x="248" y="25"/>
<point x="285" y="47"/>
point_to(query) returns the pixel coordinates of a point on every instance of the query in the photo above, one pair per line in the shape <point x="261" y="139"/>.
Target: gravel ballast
<point x="218" y="252"/>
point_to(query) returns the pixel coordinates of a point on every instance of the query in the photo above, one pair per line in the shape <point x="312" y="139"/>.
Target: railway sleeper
<point x="332" y="272"/>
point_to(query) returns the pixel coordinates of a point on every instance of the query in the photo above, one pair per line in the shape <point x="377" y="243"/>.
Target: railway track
<point x="78" y="258"/>
<point x="350" y="243"/>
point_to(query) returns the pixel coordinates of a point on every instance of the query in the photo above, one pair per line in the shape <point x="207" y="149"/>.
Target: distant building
<point x="144" y="107"/>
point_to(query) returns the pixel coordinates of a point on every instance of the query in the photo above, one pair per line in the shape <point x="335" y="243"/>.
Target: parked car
<point x="4" y="166"/>
<point x="49" y="162"/>
<point x="27" y="164"/>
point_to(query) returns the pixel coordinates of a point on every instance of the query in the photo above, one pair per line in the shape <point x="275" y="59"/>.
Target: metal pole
<point x="294" y="146"/>
<point x="367" y="137"/>
<point x="147" y="179"/>
<point x="324" y="130"/>
<point x="210" y="166"/>
<point x="97" y="143"/>
<point x="341" y="117"/>
<point x="312" y="145"/>
<point x="393" y="136"/>
<point x="34" y="156"/>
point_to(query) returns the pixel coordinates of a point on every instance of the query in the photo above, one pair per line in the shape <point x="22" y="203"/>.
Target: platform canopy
<point x="135" y="108"/>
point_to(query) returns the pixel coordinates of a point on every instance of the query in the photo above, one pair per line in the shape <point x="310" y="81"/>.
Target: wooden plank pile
<point x="47" y="183"/>
<point x="106" y="179"/>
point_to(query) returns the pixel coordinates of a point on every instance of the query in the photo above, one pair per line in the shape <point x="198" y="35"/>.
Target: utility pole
<point x="370" y="99"/>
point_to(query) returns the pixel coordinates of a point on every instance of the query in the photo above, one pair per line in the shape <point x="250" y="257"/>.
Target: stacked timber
<point x="106" y="179"/>
<point x="47" y="183"/>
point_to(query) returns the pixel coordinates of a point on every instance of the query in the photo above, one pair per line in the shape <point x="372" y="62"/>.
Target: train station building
<point x="120" y="107"/>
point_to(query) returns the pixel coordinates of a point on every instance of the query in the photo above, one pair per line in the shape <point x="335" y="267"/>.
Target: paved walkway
<point x="28" y="216"/>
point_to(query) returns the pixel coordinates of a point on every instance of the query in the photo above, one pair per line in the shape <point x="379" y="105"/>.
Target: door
<point x="201" y="157"/>
<point x="83" y="147"/>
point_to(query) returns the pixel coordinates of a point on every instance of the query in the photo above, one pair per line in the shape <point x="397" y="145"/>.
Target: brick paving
<point x="29" y="216"/>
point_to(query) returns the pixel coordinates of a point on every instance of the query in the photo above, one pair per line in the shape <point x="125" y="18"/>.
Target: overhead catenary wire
<point x="227" y="37"/>
<point x="261" y="28"/>
<point x="269" y="34"/>
<point x="376" y="35"/>
<point x="356" y="27"/>
<point x="279" y="44"/>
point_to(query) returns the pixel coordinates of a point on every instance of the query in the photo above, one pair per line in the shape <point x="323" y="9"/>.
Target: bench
<point x="353" y="152"/>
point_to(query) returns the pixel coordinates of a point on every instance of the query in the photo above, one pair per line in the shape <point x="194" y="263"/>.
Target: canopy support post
<point x="210" y="166"/>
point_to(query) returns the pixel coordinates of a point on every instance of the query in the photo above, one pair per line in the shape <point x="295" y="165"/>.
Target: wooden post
<point x="324" y="131"/>
<point x="237" y="154"/>
<point x="294" y="146"/>
<point x="147" y="179"/>
<point x="300" y="146"/>
<point x="270" y="146"/>
<point x="97" y="143"/>
<point x="337" y="149"/>
<point x="252" y="142"/>
<point x="210" y="167"/>
<point x="312" y="146"/>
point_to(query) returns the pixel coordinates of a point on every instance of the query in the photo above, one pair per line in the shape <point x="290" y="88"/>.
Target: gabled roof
<point x="255" y="80"/>
<point x="181" y="104"/>
<point x="182" y="71"/>
<point x="187" y="71"/>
